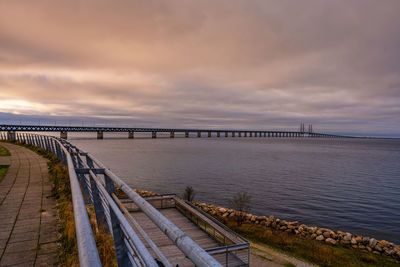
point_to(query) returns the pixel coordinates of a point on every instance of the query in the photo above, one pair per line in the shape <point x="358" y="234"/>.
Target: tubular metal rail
<point x="99" y="189"/>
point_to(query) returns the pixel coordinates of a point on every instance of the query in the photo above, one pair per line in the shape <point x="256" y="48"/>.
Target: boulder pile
<point x="328" y="236"/>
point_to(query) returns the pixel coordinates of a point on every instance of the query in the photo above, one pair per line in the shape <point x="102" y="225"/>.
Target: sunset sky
<point x="215" y="64"/>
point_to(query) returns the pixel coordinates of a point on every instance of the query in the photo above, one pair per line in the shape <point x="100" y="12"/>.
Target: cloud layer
<point x="247" y="64"/>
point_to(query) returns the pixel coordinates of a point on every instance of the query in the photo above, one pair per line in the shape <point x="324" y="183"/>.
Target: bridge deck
<point x="167" y="247"/>
<point x="170" y="250"/>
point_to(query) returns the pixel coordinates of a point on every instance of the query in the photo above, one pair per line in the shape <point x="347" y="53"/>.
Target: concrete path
<point x="262" y="255"/>
<point x="28" y="221"/>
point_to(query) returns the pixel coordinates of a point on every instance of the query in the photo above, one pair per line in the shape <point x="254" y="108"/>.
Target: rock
<point x="361" y="246"/>
<point x="283" y="228"/>
<point x="353" y="241"/>
<point x="313" y="236"/>
<point x="365" y="240"/>
<point x="320" y="238"/>
<point x="333" y="235"/>
<point x="226" y="214"/>
<point x="278" y="221"/>
<point x="295" y="223"/>
<point x="326" y="234"/>
<point x="312" y="229"/>
<point x="253" y="218"/>
<point x="372" y="242"/>
<point x="369" y="249"/>
<point x="347" y="237"/>
<point x="222" y="210"/>
<point x="359" y="239"/>
<point x="383" y="243"/>
<point x="376" y="252"/>
<point x="378" y="248"/>
<point x="283" y="222"/>
<point x="319" y="232"/>
<point x="330" y="241"/>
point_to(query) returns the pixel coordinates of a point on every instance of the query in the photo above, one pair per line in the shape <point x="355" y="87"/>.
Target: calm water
<point x="351" y="185"/>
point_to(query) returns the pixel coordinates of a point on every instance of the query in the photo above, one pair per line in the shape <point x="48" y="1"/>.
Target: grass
<point x="3" y="171"/>
<point x="68" y="253"/>
<point x="4" y="151"/>
<point x="311" y="250"/>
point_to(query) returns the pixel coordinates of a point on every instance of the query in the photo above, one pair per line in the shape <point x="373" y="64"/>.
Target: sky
<point x="214" y="64"/>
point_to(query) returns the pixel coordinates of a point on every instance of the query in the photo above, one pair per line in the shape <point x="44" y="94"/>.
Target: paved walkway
<point x="28" y="224"/>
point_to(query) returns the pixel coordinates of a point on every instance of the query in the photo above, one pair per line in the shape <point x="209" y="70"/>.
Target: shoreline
<point x="323" y="235"/>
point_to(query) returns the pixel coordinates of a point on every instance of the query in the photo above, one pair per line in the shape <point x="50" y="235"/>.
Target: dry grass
<point x="4" y="151"/>
<point x="3" y="171"/>
<point x="310" y="250"/>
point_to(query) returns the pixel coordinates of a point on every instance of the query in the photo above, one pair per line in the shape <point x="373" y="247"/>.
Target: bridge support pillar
<point x="240" y="134"/>
<point x="245" y="134"/>
<point x="186" y="134"/>
<point x="226" y="134"/>
<point x="131" y="135"/>
<point x="251" y="134"/>
<point x="218" y="134"/>
<point x="265" y="134"/>
<point x="11" y="135"/>
<point x="172" y="134"/>
<point x="199" y="134"/>
<point x="153" y="134"/>
<point x="63" y="135"/>
<point x="233" y="134"/>
<point x="209" y="134"/>
<point x="99" y="135"/>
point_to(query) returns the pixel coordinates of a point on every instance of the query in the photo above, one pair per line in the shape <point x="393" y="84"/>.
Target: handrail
<point x="191" y="249"/>
<point x="87" y="249"/>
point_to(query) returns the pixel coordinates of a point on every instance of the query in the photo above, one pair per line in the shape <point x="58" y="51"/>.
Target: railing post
<point x="83" y="181"/>
<point x="120" y="247"/>
<point x="11" y="136"/>
<point x="98" y="207"/>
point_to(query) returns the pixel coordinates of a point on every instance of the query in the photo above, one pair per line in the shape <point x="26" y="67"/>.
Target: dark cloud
<point x="263" y="64"/>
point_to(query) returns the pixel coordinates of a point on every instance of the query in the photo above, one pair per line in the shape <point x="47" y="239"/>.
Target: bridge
<point x="63" y="130"/>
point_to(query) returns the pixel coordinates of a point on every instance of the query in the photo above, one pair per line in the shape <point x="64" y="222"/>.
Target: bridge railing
<point x="98" y="186"/>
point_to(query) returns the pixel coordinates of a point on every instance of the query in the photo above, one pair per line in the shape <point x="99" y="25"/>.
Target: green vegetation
<point x="68" y="253"/>
<point x="4" y="151"/>
<point x="3" y="171"/>
<point x="310" y="250"/>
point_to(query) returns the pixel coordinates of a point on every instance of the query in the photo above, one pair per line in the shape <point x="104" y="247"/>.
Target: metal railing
<point x="98" y="186"/>
<point x="233" y="250"/>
